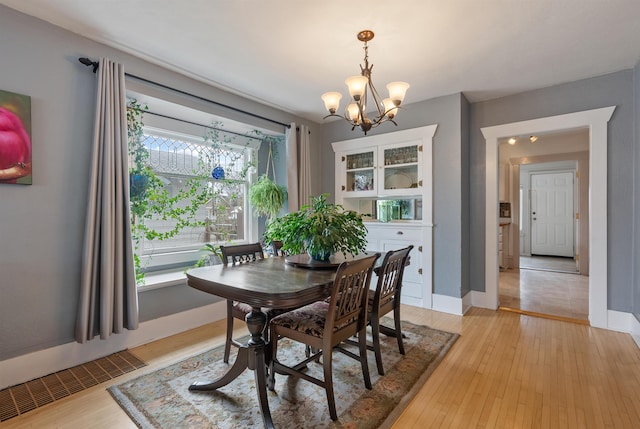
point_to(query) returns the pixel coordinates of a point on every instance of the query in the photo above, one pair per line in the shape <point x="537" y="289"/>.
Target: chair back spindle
<point x="241" y="253"/>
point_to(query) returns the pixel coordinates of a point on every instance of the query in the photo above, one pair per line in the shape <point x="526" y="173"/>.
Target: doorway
<point x="596" y="120"/>
<point x="553" y="205"/>
<point x="546" y="175"/>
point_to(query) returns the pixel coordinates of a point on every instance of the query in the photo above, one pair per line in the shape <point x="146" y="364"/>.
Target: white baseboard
<point x="467" y="302"/>
<point x="44" y="362"/>
<point x="447" y="304"/>
<point x="622" y="322"/>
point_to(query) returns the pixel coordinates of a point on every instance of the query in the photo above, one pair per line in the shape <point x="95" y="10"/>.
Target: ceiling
<point x="286" y="53"/>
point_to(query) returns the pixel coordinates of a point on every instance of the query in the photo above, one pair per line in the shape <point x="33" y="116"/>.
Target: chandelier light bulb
<point x="397" y="91"/>
<point x="357" y="86"/>
<point x="332" y="101"/>
<point x="353" y="112"/>
<point x="390" y="108"/>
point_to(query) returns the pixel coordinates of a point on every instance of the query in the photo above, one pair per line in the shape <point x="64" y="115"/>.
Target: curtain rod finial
<point x="87" y="62"/>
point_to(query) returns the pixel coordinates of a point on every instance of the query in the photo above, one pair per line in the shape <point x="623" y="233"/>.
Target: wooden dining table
<point x="265" y="283"/>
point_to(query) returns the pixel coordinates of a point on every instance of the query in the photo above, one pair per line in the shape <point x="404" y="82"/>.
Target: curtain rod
<point x="88" y="62"/>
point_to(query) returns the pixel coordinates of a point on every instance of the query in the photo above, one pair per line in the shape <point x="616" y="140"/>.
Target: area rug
<point x="161" y="399"/>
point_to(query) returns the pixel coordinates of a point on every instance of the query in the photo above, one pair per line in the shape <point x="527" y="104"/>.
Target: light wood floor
<point x="505" y="371"/>
<point x="555" y="294"/>
<point x="549" y="263"/>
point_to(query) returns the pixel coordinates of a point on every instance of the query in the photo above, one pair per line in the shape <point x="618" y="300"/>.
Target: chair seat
<point x="309" y="319"/>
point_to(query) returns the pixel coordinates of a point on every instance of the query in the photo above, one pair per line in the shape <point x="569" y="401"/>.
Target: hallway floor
<point x="549" y="263"/>
<point x="554" y="294"/>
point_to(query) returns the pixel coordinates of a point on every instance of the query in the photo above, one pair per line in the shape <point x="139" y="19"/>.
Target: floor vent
<point x="25" y="397"/>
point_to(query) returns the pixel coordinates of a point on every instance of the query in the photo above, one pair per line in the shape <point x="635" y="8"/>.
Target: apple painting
<point x="15" y="143"/>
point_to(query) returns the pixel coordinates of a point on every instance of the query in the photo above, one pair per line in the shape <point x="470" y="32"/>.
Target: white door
<point x="552" y="214"/>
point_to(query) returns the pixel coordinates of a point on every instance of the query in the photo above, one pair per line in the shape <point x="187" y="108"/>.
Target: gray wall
<point x="42" y="225"/>
<point x="614" y="89"/>
<point x="450" y="156"/>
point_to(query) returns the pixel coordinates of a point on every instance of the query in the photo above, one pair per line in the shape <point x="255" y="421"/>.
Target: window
<point x="189" y="173"/>
<point x="184" y="165"/>
<point x="187" y="191"/>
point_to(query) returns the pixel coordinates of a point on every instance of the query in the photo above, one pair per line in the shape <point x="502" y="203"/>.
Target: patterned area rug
<point x="161" y="399"/>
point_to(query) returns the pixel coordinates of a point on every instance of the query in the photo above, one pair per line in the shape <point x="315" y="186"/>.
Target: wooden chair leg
<point x="375" y="334"/>
<point x="227" y="344"/>
<point x="362" y="341"/>
<point x="327" y="360"/>
<point x="396" y="319"/>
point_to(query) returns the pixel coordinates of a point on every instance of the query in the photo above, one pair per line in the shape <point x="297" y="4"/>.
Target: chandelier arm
<point x="377" y="99"/>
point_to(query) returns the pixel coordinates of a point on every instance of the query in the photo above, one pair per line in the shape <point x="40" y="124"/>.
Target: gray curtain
<point x="108" y="297"/>
<point x="298" y="166"/>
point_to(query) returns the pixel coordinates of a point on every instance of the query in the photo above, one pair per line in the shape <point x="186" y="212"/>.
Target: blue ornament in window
<point x="218" y="173"/>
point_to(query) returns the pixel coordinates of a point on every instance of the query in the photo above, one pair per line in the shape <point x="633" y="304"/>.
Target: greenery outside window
<point x="185" y="192"/>
<point x="176" y="161"/>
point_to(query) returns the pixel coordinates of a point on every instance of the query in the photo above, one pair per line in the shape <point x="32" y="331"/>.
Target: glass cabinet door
<point x="401" y="168"/>
<point x="360" y="172"/>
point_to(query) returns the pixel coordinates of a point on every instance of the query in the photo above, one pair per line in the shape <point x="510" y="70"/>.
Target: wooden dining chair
<point x="323" y="325"/>
<point x="386" y="298"/>
<point x="233" y="255"/>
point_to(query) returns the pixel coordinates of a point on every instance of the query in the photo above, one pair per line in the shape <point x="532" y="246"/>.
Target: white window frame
<point x="176" y="261"/>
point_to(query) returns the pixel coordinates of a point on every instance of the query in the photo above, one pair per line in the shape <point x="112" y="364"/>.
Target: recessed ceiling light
<point x="512" y="141"/>
<point x="533" y="139"/>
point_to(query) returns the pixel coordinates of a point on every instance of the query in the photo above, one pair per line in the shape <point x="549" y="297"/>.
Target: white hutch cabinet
<point x="388" y="178"/>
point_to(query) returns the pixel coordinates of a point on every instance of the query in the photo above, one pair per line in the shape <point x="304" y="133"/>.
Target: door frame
<point x="596" y="120"/>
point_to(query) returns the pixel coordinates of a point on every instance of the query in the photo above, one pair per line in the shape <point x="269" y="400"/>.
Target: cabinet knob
<point x="419" y="270"/>
<point x="400" y="233"/>
<point x="344" y="187"/>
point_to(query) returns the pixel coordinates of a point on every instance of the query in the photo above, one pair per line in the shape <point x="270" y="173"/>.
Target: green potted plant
<point x="321" y="229"/>
<point x="267" y="197"/>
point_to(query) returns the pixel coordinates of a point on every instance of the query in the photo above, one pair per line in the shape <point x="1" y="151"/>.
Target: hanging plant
<point x="266" y="196"/>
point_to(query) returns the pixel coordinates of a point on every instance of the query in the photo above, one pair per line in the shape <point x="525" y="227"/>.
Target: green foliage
<point x="319" y="228"/>
<point x="149" y="197"/>
<point x="213" y="250"/>
<point x="267" y="197"/>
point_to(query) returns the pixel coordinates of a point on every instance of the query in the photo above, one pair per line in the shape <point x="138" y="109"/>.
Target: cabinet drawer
<point x="393" y="232"/>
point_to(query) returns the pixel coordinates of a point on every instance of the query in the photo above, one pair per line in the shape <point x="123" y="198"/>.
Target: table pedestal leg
<point x="250" y="356"/>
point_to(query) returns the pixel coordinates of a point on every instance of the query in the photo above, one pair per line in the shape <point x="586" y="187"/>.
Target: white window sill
<point x="157" y="281"/>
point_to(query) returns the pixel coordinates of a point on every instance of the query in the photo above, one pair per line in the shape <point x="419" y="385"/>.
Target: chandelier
<point x="360" y="89"/>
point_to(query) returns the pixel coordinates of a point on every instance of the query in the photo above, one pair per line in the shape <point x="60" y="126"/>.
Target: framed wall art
<point x="15" y="138"/>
